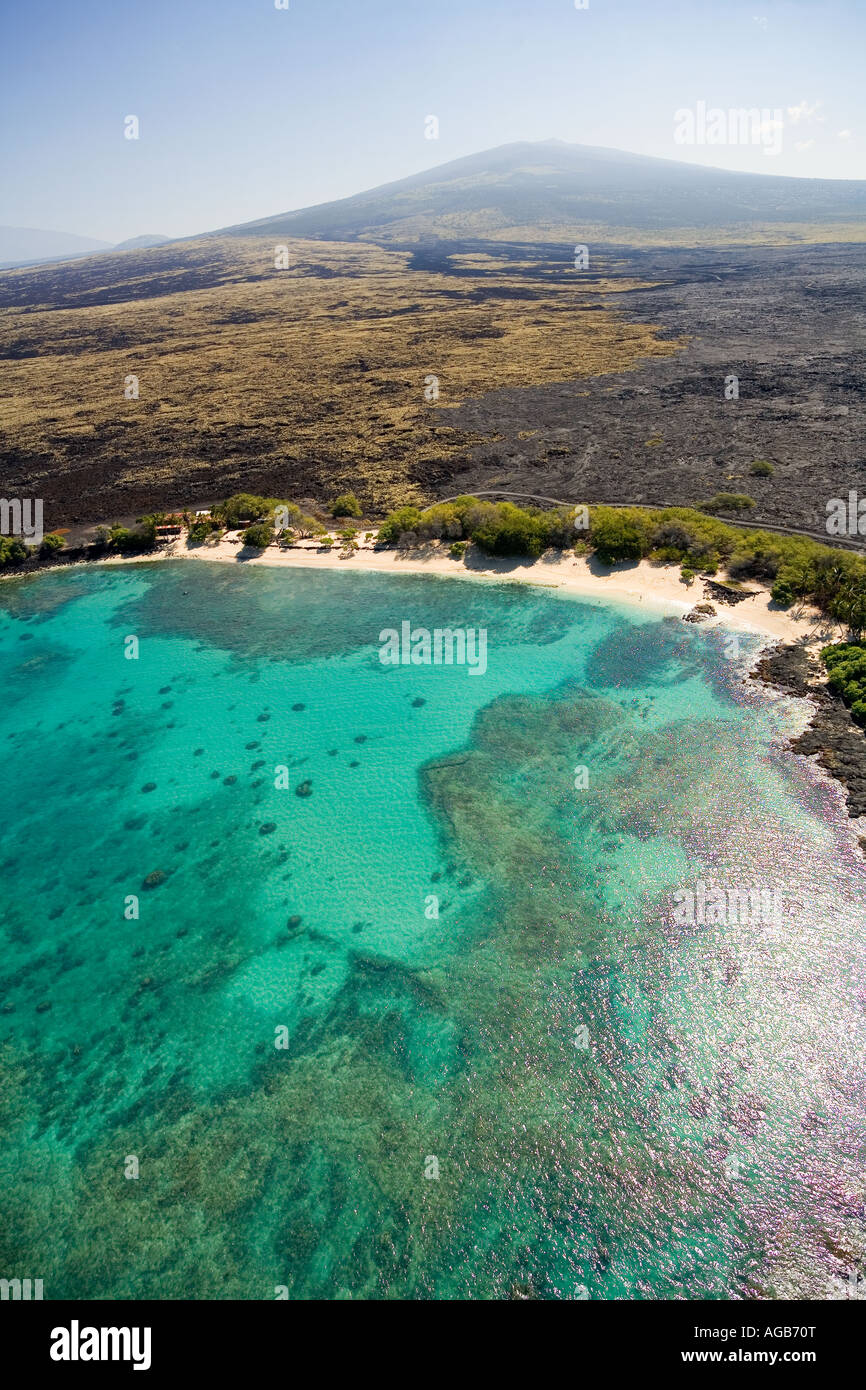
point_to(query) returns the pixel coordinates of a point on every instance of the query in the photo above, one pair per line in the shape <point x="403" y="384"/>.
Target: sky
<point x="246" y="110"/>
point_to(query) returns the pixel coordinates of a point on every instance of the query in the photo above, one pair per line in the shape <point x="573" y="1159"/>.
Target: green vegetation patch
<point x="846" y="666"/>
<point x="798" y="569"/>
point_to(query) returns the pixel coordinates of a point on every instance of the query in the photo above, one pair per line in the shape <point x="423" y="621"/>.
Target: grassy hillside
<point x="308" y="380"/>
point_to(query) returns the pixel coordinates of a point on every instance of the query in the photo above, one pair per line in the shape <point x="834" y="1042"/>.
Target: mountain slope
<point x="563" y="189"/>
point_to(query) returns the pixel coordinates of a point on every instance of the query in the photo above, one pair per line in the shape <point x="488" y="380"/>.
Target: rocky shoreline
<point x="833" y="734"/>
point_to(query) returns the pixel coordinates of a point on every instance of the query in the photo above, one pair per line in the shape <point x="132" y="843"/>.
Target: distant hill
<point x="141" y="243"/>
<point x="552" y="190"/>
<point x="24" y="246"/>
<point x="19" y="245"/>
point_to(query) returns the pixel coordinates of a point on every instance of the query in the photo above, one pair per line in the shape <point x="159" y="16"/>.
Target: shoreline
<point x="641" y="584"/>
<point x="654" y="589"/>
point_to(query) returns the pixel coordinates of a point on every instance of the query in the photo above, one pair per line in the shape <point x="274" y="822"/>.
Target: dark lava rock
<point x="215" y="775"/>
<point x="296" y="709"/>
<point x="294" y="922"/>
<point x="229" y="781"/>
<point x="360" y="738"/>
<point x="135" y="823"/>
<point x="833" y="734"/>
<point x="251" y="746"/>
<point x="149" y="787"/>
<point x="332" y="752"/>
<point x="304" y="788"/>
<point x="699" y="613"/>
<point x="254" y="767"/>
<point x="198" y="752"/>
<point x="789" y="668"/>
<point x="418" y="702"/>
<point x="164" y="690"/>
<point x="154" y="880"/>
<point x="726" y="593"/>
<point x="268" y="828"/>
<point x="43" y="1007"/>
<point x="262" y="718"/>
<point x="355" y="764"/>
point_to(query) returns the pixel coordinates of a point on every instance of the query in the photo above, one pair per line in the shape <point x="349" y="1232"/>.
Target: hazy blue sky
<point x="246" y="110"/>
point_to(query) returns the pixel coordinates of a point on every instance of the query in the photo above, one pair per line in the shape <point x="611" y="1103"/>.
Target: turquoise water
<point x="702" y="1138"/>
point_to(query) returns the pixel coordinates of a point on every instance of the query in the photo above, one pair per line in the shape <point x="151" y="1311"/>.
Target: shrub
<point x="51" y="544"/>
<point x="508" y="530"/>
<point x="782" y="593"/>
<point x="457" y="550"/>
<point x="617" y="534"/>
<point x="346" y="504"/>
<point x="398" y="523"/>
<point x="259" y="535"/>
<point x="559" y="527"/>
<point x="762" y="469"/>
<point x="203" y="530"/>
<point x="728" y="502"/>
<point x="755" y="563"/>
<point x="247" y="507"/>
<point x="12" y="550"/>
<point x="441" y="522"/>
<point x="132" y="542"/>
<point x="846" y="667"/>
<point x="672" y="538"/>
<point x="308" y="526"/>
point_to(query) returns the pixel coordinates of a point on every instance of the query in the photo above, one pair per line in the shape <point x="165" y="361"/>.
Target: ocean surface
<point x="324" y="978"/>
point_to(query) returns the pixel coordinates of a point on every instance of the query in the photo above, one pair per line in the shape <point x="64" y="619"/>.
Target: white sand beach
<point x="658" y="587"/>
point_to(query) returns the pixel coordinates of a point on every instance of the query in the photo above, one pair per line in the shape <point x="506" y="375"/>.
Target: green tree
<point x="617" y="534"/>
<point x="346" y="504"/>
<point x="259" y="535"/>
